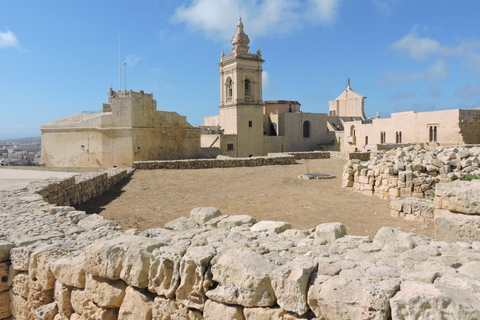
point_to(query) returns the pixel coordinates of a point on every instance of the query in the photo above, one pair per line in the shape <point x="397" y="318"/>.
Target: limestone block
<point x="46" y="312"/>
<point x="219" y="311"/>
<point x="419" y="300"/>
<point x="136" y="260"/>
<point x="471" y="269"/>
<point x="39" y="265"/>
<point x="105" y="293"/>
<point x="37" y="296"/>
<point x="460" y="196"/>
<point x="395" y="237"/>
<point x="271" y="314"/>
<point x="94" y="221"/>
<point x="5" y="247"/>
<point x="62" y="295"/>
<point x="181" y="224"/>
<point x="70" y="271"/>
<point x="103" y="258"/>
<point x="166" y="309"/>
<point x="204" y="214"/>
<point x="58" y="316"/>
<point x="135" y="306"/>
<point x="290" y="283"/>
<point x="5" y="310"/>
<point x="194" y="281"/>
<point x="243" y="277"/>
<point x="4" y="271"/>
<point x="456" y="227"/>
<point x="330" y="231"/>
<point x="271" y="226"/>
<point x="19" y="257"/>
<point x="20" y="284"/>
<point x="236" y="220"/>
<point x="164" y="271"/>
<point x="339" y="298"/>
<point x="396" y="205"/>
<point x="79" y="300"/>
<point x="18" y="304"/>
<point x="93" y="312"/>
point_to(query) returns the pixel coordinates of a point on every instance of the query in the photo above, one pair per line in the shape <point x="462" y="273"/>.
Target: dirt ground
<point x="152" y="198"/>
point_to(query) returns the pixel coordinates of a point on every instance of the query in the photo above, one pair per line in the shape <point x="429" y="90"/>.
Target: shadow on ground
<point x="98" y="204"/>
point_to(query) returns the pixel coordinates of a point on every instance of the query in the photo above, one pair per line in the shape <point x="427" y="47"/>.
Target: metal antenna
<point x="119" y="65"/>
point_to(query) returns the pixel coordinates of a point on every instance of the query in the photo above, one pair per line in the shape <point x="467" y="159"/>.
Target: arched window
<point x="248" y="87"/>
<point x="306" y="129"/>
<point x="383" y="137"/>
<point x="352" y="131"/>
<point x="229" y="88"/>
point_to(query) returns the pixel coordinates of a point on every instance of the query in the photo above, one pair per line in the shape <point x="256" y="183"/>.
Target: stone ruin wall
<point x="425" y="185"/>
<point x="59" y="263"/>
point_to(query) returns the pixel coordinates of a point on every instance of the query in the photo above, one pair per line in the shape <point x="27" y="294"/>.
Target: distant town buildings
<point x="20" y="152"/>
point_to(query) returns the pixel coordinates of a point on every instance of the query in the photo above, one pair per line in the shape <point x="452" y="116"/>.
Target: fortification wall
<point x="59" y="263"/>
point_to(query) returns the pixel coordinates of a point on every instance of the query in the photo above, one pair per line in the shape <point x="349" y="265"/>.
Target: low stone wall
<point x="59" y="263"/>
<point x="412" y="209"/>
<point x="214" y="163"/>
<point x="285" y="158"/>
<point x="81" y="188"/>
<point x="410" y="171"/>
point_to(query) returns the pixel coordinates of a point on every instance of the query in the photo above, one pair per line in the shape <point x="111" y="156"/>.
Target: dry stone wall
<point x="59" y="263"/>
<point x="228" y="162"/>
<point x="410" y="171"/>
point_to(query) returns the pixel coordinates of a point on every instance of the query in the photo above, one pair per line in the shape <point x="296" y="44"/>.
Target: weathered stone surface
<point x="4" y="271"/>
<point x="105" y="293"/>
<point x="339" y="298"/>
<point x="70" y="271"/>
<point x="5" y="247"/>
<point x="236" y="220"/>
<point x="394" y="237"/>
<point x="62" y="295"/>
<point x="418" y="300"/>
<point x="290" y="282"/>
<point x="243" y="277"/>
<point x="94" y="221"/>
<point x="471" y="269"/>
<point x="330" y="231"/>
<point x="37" y="296"/>
<point x="103" y="258"/>
<point x="5" y="310"/>
<point x="164" y="271"/>
<point x="136" y="306"/>
<point x="204" y="214"/>
<point x="457" y="227"/>
<point x="39" y="265"/>
<point x="181" y="224"/>
<point x="19" y="257"/>
<point x="46" y="312"/>
<point x="272" y="314"/>
<point x="20" y="284"/>
<point x="19" y="306"/>
<point x="271" y="226"/>
<point x="136" y="260"/>
<point x="460" y="196"/>
<point x="79" y="300"/>
<point x="219" y="311"/>
<point x="166" y="309"/>
<point x="93" y="312"/>
<point x="194" y="281"/>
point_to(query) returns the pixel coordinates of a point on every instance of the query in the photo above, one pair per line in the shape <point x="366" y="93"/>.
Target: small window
<point x="229" y="146"/>
<point x="366" y="139"/>
<point x="229" y="88"/>
<point x="247" y="87"/>
<point x="250" y="123"/>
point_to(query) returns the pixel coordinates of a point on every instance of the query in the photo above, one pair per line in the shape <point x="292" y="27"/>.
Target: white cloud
<point x="468" y="91"/>
<point x="262" y="17"/>
<point x="132" y="60"/>
<point x="266" y="84"/>
<point x="436" y="72"/>
<point x="424" y="48"/>
<point x="385" y="6"/>
<point x="8" y="39"/>
<point x="400" y="95"/>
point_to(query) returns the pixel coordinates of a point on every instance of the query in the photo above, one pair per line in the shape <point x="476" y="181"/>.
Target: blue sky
<point x="59" y="58"/>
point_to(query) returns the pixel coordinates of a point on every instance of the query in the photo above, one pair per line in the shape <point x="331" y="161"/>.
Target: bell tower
<point x="241" y="103"/>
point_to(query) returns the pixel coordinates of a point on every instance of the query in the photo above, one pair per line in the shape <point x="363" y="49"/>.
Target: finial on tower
<point x="240" y="40"/>
<point x="348" y="84"/>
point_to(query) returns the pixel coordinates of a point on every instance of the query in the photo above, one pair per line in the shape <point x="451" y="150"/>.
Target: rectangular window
<point x="250" y="123"/>
<point x="229" y="146"/>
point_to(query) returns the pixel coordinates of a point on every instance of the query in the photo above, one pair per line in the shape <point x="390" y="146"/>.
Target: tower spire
<point x="240" y="40"/>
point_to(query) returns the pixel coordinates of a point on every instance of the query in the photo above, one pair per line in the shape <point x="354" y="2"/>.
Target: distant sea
<point x="6" y="136"/>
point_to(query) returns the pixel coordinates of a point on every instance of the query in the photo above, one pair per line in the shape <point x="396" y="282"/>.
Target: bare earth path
<point x="152" y="198"/>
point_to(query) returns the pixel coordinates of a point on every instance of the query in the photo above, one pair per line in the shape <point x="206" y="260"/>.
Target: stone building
<point x="249" y="126"/>
<point x="130" y="128"/>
